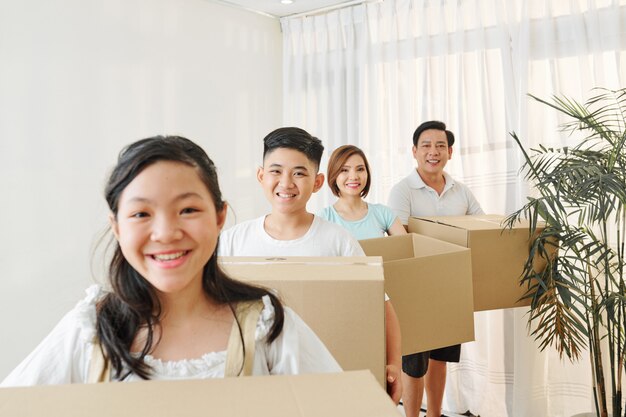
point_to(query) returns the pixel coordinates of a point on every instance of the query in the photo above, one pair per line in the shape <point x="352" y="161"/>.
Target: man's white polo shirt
<point x="412" y="197"/>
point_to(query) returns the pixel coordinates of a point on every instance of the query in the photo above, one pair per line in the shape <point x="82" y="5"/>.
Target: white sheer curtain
<point x="369" y="74"/>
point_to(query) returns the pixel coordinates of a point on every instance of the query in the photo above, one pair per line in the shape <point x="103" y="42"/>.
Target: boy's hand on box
<point x="394" y="383"/>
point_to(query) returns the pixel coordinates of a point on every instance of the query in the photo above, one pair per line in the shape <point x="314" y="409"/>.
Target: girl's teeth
<point x="169" y="256"/>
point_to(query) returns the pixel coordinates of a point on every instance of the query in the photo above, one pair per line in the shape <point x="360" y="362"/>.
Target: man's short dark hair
<point x="297" y="139"/>
<point x="436" y="125"/>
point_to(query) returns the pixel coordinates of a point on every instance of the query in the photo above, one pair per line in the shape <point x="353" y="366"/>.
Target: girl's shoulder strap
<point x="240" y="353"/>
<point x="99" y="366"/>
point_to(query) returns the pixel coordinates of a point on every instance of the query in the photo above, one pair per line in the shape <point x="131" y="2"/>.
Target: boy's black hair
<point x="297" y="139"/>
<point x="433" y="124"/>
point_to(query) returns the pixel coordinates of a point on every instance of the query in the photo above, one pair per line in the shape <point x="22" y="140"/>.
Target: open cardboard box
<point x="498" y="256"/>
<point x="340" y="298"/>
<point x="339" y="394"/>
<point x="430" y="285"/>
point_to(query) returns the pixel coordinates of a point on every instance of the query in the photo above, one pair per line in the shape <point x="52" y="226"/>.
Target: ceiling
<point x="277" y="9"/>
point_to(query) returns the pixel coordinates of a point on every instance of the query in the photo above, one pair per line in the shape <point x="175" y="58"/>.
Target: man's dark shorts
<point x="416" y="365"/>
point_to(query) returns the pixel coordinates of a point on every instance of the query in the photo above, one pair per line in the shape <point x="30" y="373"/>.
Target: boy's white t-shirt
<point x="322" y="239"/>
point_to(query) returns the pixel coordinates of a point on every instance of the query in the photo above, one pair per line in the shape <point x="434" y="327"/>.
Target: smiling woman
<point x="349" y="179"/>
<point x="171" y="310"/>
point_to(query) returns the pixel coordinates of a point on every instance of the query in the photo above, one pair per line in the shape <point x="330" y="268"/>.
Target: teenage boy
<point x="430" y="191"/>
<point x="289" y="176"/>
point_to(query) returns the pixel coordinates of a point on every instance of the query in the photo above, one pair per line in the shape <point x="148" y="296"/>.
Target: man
<point x="430" y="191"/>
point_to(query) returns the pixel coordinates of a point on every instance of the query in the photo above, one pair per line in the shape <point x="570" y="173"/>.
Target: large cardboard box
<point x="342" y="394"/>
<point x="498" y="256"/>
<point x="340" y="298"/>
<point x="430" y="285"/>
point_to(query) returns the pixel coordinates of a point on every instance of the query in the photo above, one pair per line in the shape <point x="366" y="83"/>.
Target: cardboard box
<point x="340" y="298"/>
<point x="498" y="256"/>
<point x="430" y="285"/>
<point x="342" y="394"/>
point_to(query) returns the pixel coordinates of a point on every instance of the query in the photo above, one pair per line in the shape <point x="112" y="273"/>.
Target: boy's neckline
<point x="287" y="227"/>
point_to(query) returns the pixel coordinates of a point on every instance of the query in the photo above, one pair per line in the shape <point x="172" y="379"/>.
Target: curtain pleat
<point x="369" y="74"/>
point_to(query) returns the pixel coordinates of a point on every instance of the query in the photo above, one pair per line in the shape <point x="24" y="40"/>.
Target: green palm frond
<point x="577" y="223"/>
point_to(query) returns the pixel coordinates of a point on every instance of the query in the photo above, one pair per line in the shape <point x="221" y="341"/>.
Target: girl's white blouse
<point x="63" y="356"/>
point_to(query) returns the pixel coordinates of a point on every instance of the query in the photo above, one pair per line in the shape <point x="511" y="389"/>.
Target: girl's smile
<point x="167" y="225"/>
<point x="170" y="259"/>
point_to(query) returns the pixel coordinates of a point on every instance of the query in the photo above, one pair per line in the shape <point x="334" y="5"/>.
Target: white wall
<point x="81" y="78"/>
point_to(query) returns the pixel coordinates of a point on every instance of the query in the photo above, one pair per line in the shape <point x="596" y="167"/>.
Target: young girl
<point x="349" y="179"/>
<point x="170" y="313"/>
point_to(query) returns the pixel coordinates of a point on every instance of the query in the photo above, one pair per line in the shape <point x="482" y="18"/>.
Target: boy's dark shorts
<point x="416" y="365"/>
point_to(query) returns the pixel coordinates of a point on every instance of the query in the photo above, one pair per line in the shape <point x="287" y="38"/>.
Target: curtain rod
<point x="239" y="6"/>
<point x="309" y="13"/>
<point x="327" y="9"/>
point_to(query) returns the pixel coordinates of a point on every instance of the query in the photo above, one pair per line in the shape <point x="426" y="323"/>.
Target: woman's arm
<point x="394" y="353"/>
<point x="396" y="228"/>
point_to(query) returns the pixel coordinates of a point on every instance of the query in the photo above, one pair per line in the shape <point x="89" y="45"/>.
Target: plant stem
<point x="621" y="229"/>
<point x="595" y="350"/>
<point x="610" y="312"/>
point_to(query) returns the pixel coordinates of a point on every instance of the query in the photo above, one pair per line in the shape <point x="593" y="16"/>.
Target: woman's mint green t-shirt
<point x="376" y="222"/>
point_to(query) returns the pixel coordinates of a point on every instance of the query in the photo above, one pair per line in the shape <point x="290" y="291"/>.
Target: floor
<point x="422" y="414"/>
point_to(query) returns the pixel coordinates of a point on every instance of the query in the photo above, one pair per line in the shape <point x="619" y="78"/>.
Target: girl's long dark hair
<point x="133" y="302"/>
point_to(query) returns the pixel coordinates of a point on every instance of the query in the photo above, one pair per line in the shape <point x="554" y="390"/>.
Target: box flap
<point x="363" y="268"/>
<point x="411" y="245"/>
<point x="476" y="222"/>
<point x="304" y="260"/>
<point x="433" y="228"/>
<point x="353" y="393"/>
<point x="390" y="247"/>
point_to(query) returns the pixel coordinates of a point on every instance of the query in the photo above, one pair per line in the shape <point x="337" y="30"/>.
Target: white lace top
<point x="64" y="355"/>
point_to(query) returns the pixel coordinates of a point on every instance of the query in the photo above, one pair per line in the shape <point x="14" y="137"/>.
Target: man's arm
<point x="400" y="202"/>
<point x="473" y="206"/>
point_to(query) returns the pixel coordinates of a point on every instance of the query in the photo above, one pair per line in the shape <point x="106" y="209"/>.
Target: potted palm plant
<point x="578" y="301"/>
